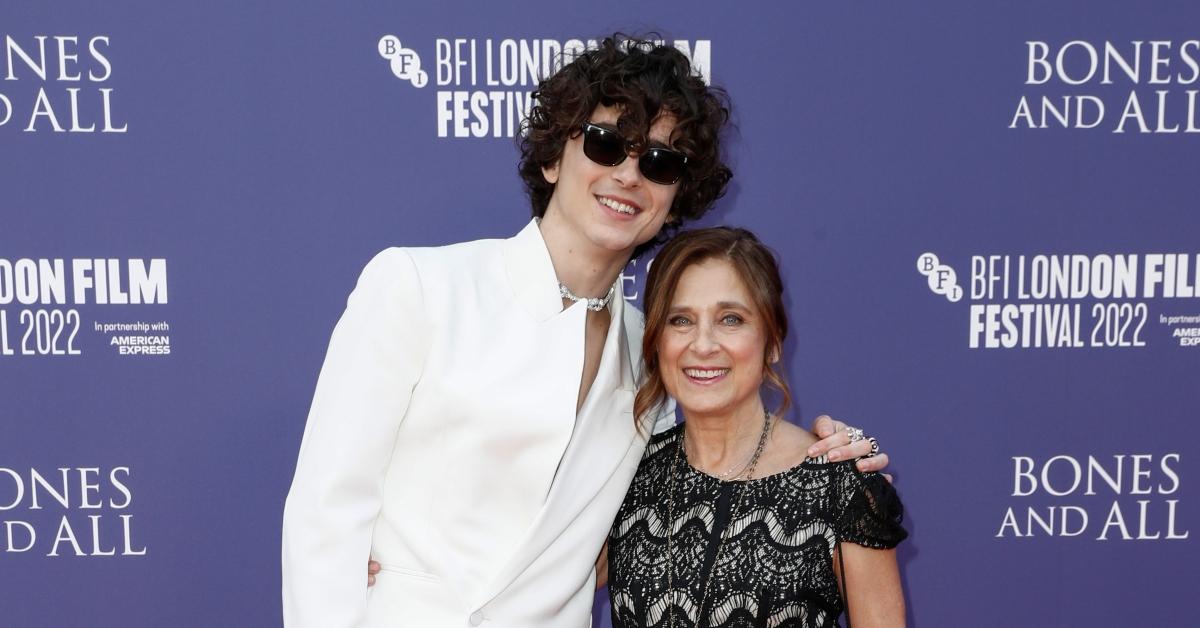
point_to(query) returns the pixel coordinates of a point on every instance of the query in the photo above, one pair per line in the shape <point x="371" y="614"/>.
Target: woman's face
<point x="712" y="348"/>
<point x="614" y="207"/>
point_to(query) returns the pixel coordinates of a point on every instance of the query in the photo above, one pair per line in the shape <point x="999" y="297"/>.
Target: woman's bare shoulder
<point x="787" y="448"/>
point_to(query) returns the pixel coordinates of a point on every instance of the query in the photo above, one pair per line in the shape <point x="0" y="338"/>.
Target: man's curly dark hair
<point x="643" y="80"/>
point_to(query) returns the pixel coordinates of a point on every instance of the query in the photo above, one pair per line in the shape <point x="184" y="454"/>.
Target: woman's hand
<point x="835" y="440"/>
<point x="373" y="568"/>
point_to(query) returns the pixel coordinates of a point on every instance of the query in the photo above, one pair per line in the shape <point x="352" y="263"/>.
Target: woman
<point x="472" y="426"/>
<point x="728" y="522"/>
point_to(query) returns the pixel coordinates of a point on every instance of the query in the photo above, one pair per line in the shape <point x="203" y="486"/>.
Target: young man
<point x="472" y="426"/>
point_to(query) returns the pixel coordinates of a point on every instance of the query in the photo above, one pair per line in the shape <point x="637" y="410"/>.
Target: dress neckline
<point x="806" y="461"/>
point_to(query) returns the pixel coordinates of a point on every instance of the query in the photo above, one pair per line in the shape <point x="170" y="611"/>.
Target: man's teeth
<point x="705" y="373"/>
<point x="621" y="207"/>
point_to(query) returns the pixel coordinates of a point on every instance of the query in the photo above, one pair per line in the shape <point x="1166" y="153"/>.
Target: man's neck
<point x="585" y="269"/>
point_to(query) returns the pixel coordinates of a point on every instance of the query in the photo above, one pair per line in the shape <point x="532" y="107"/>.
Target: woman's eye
<point x="731" y="319"/>
<point x="678" y="321"/>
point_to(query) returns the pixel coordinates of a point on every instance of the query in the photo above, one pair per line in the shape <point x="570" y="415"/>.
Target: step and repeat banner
<point x="987" y="215"/>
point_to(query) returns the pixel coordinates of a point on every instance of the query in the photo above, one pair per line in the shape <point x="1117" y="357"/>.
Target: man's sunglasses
<point x="608" y="148"/>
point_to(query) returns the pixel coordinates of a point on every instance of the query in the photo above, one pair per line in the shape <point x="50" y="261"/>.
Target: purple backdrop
<point x="224" y="170"/>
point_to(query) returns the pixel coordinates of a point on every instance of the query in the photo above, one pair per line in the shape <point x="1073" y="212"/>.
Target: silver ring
<point x="854" y="433"/>
<point x="874" y="446"/>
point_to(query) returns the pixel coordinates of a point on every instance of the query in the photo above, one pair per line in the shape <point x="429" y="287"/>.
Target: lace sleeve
<point x="870" y="511"/>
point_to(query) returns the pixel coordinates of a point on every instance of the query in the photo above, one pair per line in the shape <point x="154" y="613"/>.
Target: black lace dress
<point x="775" y="567"/>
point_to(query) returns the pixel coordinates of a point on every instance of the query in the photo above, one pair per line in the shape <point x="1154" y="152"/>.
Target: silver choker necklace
<point x="592" y="304"/>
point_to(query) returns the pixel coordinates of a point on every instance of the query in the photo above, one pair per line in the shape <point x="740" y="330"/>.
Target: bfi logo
<point x="405" y="62"/>
<point x="942" y="279"/>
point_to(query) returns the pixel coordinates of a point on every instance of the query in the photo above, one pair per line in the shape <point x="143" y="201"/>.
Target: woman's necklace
<point x="737" y="506"/>
<point x="729" y="475"/>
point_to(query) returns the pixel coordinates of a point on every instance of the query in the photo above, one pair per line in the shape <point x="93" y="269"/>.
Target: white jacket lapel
<point x="604" y="432"/>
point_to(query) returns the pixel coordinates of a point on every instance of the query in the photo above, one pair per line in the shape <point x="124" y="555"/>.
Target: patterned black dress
<point x="775" y="567"/>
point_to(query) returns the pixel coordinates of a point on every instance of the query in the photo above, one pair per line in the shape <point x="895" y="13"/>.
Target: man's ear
<point x="550" y="173"/>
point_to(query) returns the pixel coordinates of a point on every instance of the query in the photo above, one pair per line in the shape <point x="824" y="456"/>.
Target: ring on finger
<point x="854" y="434"/>
<point x="874" y="446"/>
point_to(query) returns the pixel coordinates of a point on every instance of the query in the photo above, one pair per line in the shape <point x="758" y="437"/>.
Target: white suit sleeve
<point x="374" y="360"/>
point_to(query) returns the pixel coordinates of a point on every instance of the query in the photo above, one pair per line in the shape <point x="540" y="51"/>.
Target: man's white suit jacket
<point x="443" y="440"/>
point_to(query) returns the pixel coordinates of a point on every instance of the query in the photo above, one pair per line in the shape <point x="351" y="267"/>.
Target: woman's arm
<point x="874" y="597"/>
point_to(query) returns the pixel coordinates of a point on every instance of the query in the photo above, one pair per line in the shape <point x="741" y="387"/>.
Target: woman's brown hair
<point x="755" y="265"/>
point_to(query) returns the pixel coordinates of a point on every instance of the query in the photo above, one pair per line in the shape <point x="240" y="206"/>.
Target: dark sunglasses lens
<point x="604" y="147"/>
<point x="662" y="166"/>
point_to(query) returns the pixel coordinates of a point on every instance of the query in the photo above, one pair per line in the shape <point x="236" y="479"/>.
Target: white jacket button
<point x="476" y="618"/>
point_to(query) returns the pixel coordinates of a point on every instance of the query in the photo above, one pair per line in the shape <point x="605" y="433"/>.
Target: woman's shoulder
<point x="659" y="451"/>
<point x="868" y="508"/>
<point x="787" y="450"/>
<point x="663" y="440"/>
